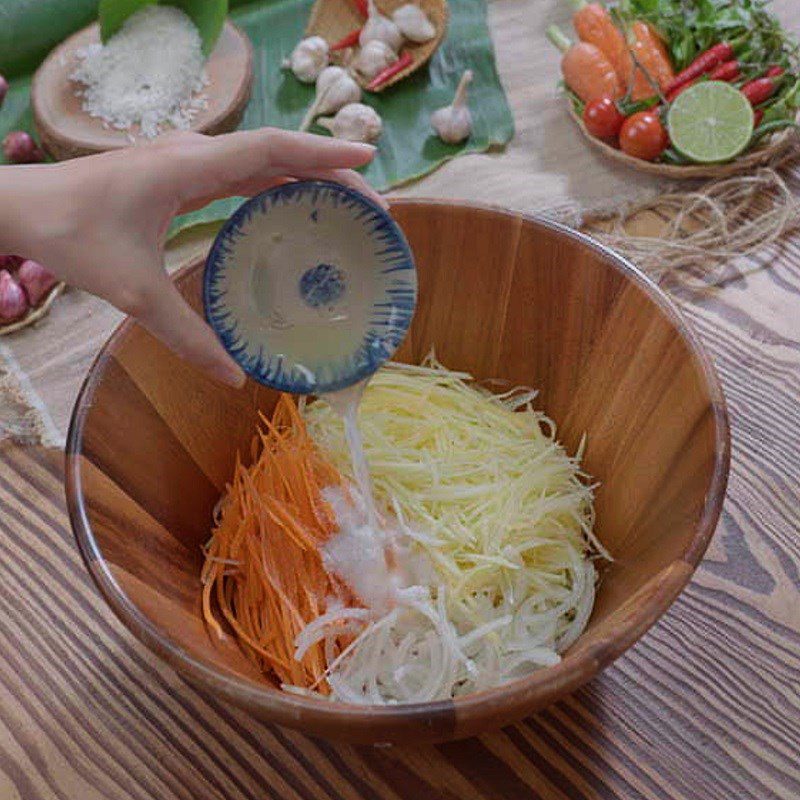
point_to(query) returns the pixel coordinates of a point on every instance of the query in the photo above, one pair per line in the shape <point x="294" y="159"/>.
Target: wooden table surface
<point x="706" y="705"/>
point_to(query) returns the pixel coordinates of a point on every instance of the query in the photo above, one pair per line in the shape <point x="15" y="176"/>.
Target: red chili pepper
<point x="758" y="115"/>
<point x="760" y="89"/>
<point x="727" y="71"/>
<point x="404" y="61"/>
<point x="704" y="63"/>
<point x="362" y="7"/>
<point x="774" y="72"/>
<point x="351" y="40"/>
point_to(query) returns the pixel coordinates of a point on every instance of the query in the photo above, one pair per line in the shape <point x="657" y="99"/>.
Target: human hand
<point x="100" y="222"/>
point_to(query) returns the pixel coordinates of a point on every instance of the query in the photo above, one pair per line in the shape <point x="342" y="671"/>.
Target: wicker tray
<point x="772" y="147"/>
<point x="334" y="19"/>
<point x="34" y="314"/>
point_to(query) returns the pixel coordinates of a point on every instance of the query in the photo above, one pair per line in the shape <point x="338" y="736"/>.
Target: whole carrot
<point x="704" y="63"/>
<point x="586" y="69"/>
<point x="593" y="24"/>
<point x="654" y="60"/>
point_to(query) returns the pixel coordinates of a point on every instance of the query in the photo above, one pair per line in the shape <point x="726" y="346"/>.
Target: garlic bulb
<point x="335" y="88"/>
<point x="13" y="303"/>
<point x="453" y="123"/>
<point x="354" y="122"/>
<point x="381" y="28"/>
<point x="36" y="281"/>
<point x="414" y="23"/>
<point x="373" y="58"/>
<point x="308" y="59"/>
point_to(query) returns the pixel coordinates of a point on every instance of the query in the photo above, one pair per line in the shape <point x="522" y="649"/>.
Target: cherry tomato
<point x="643" y="136"/>
<point x="602" y="118"/>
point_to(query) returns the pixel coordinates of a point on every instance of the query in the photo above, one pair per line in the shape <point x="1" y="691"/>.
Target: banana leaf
<point x="407" y="149"/>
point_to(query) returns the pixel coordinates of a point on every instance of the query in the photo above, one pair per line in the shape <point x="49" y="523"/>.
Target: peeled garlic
<point x="373" y="58"/>
<point x="453" y="123"/>
<point x="335" y="88"/>
<point x="354" y="122"/>
<point x="308" y="59"/>
<point x="381" y="28"/>
<point x="414" y="23"/>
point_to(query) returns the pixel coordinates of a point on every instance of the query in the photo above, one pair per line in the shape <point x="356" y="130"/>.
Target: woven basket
<point x="334" y="19"/>
<point x="34" y="314"/>
<point x="771" y="148"/>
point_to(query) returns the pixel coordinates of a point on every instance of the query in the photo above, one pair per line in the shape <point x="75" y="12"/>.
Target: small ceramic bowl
<point x="310" y="286"/>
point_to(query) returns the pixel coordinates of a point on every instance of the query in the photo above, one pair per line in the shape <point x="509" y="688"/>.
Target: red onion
<point x="10" y="262"/>
<point x="19" y="148"/>
<point x="3" y="89"/>
<point x="36" y="281"/>
<point x="13" y="303"/>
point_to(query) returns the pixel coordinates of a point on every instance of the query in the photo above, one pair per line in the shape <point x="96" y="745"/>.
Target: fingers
<point x="167" y="315"/>
<point x="246" y="162"/>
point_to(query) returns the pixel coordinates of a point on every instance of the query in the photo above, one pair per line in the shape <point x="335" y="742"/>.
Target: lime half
<point x="710" y="122"/>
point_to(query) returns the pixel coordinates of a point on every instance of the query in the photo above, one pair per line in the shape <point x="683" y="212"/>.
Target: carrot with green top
<point x="652" y="57"/>
<point x="586" y="70"/>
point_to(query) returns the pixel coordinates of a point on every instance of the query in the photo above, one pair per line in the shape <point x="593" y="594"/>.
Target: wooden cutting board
<point x="67" y="131"/>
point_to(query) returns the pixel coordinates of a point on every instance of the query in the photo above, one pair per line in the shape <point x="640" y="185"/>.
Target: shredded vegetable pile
<point x="479" y="485"/>
<point x="489" y="524"/>
<point x="263" y="563"/>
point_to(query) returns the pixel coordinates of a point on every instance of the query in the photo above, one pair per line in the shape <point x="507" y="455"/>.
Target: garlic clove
<point x="335" y="88"/>
<point x="13" y="302"/>
<point x="373" y="58"/>
<point x="354" y="122"/>
<point x="414" y="23"/>
<point x="36" y="281"/>
<point x="380" y="27"/>
<point x="453" y="123"/>
<point x="308" y="59"/>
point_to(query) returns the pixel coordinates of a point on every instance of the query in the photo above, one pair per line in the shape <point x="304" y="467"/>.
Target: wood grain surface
<point x="706" y="706"/>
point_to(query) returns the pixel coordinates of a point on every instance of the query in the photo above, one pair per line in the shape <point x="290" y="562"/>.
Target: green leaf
<point x="207" y="15"/>
<point x="111" y="14"/>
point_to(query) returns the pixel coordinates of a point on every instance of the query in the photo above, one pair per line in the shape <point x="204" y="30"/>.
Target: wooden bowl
<point x="153" y="442"/>
<point x="67" y="131"/>
<point x="334" y="19"/>
<point x="771" y="148"/>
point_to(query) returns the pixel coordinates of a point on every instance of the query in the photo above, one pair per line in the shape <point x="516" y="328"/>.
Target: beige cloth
<point x="547" y="168"/>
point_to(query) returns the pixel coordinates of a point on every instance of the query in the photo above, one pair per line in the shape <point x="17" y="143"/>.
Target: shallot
<point x="354" y="122"/>
<point x="414" y="23"/>
<point x="381" y="28"/>
<point x="19" y="148"/>
<point x="335" y="89"/>
<point x="308" y="59"/>
<point x="10" y="262"/>
<point x="36" y="281"/>
<point x="453" y="123"/>
<point x="13" y="303"/>
<point x="3" y="89"/>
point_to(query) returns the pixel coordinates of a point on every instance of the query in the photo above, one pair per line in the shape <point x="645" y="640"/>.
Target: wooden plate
<point x="34" y="314"/>
<point x="67" y="131"/>
<point x="771" y="148"/>
<point x="334" y="19"/>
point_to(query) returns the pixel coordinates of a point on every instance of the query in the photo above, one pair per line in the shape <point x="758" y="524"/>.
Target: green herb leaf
<point x="207" y="15"/>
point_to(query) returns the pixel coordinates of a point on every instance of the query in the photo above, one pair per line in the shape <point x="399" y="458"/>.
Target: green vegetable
<point x="207" y="15"/>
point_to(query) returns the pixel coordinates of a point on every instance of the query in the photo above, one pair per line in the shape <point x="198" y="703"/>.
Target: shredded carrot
<point x="263" y="568"/>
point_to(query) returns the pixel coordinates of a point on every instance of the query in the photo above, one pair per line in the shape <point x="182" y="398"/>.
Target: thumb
<point x="169" y="317"/>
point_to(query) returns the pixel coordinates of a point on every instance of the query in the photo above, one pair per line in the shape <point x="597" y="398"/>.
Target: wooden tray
<point x="67" y="131"/>
<point x="334" y="19"/>
<point x="771" y="148"/>
<point x="35" y="314"/>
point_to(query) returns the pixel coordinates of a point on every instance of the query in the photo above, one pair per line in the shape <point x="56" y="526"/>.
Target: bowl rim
<point x="442" y="718"/>
<point x="252" y="206"/>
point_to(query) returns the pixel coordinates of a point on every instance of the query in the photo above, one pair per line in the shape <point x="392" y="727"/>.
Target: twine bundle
<point x="710" y="225"/>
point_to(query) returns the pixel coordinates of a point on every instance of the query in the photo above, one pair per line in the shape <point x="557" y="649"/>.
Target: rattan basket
<point x="334" y="19"/>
